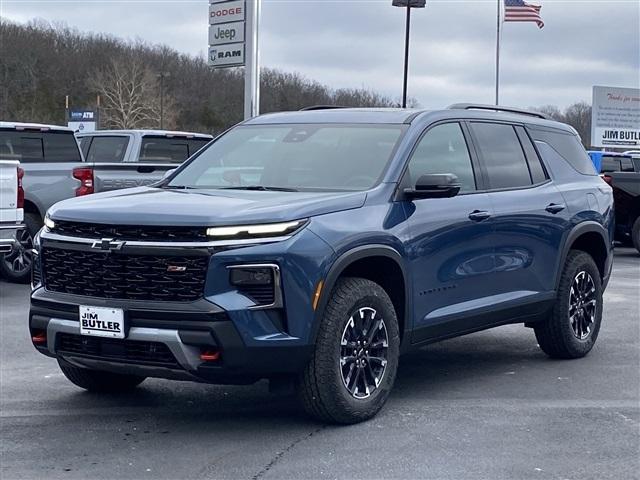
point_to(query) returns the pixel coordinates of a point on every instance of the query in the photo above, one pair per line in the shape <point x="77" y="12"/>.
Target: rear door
<point x="529" y="215"/>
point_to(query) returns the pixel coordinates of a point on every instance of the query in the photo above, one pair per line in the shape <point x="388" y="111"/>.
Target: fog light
<point x="245" y="276"/>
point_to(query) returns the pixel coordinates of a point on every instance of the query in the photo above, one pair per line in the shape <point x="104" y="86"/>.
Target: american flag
<point x="520" y="11"/>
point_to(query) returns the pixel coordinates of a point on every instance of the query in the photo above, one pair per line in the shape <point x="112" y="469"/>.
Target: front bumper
<point x="187" y="330"/>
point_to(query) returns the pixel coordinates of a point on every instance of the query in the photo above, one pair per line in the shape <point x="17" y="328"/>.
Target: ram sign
<point x="615" y="117"/>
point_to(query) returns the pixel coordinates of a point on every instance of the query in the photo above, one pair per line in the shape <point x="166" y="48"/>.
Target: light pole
<point x="408" y="4"/>
<point x="162" y="76"/>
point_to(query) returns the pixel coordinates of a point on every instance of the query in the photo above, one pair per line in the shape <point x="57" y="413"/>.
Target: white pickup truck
<point x="11" y="203"/>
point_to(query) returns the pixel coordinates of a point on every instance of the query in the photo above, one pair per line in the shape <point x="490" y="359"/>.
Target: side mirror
<point x="440" y="185"/>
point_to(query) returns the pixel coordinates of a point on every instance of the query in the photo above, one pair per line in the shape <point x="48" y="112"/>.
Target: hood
<point x="156" y="206"/>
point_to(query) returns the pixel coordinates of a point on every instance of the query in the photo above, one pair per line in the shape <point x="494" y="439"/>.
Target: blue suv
<point x="312" y="248"/>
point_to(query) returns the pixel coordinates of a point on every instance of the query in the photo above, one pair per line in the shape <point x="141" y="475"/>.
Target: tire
<point x="15" y="266"/>
<point x="560" y="336"/>
<point x="333" y="392"/>
<point x="635" y="234"/>
<point x="99" y="381"/>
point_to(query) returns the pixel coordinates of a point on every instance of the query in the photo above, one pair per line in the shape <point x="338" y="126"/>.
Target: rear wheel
<point x="635" y="234"/>
<point x="16" y="265"/>
<point x="353" y="367"/>
<point x="572" y="329"/>
<point x="99" y="381"/>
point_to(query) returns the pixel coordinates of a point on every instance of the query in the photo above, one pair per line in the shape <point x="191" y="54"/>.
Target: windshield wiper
<point x="262" y="188"/>
<point x="178" y="187"/>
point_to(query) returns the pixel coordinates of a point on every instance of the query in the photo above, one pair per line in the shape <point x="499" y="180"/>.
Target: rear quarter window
<point x="568" y="146"/>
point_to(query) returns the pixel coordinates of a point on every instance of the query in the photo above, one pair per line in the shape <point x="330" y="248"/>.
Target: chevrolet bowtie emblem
<point x="107" y="244"/>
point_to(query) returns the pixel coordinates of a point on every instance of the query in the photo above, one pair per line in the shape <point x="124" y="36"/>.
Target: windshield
<point x="293" y="157"/>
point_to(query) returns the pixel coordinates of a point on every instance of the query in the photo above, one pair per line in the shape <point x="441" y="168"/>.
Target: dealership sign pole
<point x="233" y="42"/>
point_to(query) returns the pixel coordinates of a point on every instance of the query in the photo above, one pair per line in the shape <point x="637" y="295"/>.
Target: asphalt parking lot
<point x="485" y="406"/>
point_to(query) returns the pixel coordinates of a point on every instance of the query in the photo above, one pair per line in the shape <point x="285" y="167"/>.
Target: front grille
<point x="36" y="271"/>
<point x="132" y="351"/>
<point x="142" y="233"/>
<point x="122" y="276"/>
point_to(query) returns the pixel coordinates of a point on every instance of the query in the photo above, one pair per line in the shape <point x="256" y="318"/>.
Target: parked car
<point x="11" y="203"/>
<point x="55" y="170"/>
<point x="611" y="161"/>
<point x="623" y="174"/>
<point x="311" y="248"/>
<point x="149" y="146"/>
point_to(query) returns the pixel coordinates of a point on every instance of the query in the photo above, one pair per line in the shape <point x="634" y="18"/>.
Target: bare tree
<point x="131" y="96"/>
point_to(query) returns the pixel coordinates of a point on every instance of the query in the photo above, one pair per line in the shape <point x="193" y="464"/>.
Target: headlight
<point x="256" y="231"/>
<point x="50" y="224"/>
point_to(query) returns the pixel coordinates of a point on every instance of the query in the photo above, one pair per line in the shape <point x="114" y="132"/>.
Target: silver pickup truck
<point x="55" y="170"/>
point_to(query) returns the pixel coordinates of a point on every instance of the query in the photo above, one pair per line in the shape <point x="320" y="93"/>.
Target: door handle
<point x="554" y="208"/>
<point x="479" y="215"/>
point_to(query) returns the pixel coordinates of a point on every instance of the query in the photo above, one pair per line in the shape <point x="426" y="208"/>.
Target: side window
<point x="443" y="149"/>
<point x="61" y="147"/>
<point x="85" y="142"/>
<point x="107" y="149"/>
<point x="568" y="146"/>
<point x="502" y="155"/>
<point x="538" y="175"/>
<point x="163" y="150"/>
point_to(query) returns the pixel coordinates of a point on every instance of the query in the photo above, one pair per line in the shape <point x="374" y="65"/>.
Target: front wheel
<point x="353" y="367"/>
<point x="572" y="329"/>
<point x="635" y="234"/>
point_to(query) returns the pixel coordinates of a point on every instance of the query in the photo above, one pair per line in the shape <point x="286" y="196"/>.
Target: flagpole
<point x="498" y="52"/>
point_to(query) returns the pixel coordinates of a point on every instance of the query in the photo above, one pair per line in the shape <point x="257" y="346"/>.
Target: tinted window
<point x="169" y="150"/>
<point x="502" y="155"/>
<point x="443" y="149"/>
<point x="84" y="145"/>
<point x="21" y="146"/>
<point x="107" y="149"/>
<point x="61" y="147"/>
<point x="538" y="175"/>
<point x="300" y="156"/>
<point x="568" y="147"/>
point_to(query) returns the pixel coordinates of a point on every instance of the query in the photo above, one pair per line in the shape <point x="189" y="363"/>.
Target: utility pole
<point x="162" y="76"/>
<point x="408" y="4"/>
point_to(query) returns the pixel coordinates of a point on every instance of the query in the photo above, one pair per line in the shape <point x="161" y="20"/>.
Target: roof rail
<point x="497" y="108"/>
<point x="321" y="107"/>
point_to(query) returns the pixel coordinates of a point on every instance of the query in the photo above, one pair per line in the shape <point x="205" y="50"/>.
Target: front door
<point x="450" y="250"/>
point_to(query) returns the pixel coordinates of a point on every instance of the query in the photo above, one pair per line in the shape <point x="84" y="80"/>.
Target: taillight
<point x="20" y="189"/>
<point x="85" y="175"/>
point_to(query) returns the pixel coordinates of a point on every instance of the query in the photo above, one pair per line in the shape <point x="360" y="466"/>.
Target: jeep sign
<point x="220" y="34"/>
<point x="231" y="55"/>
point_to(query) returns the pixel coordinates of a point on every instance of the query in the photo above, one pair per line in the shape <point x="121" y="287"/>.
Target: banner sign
<point x="615" y="117"/>
<point x="82" y="120"/>
<point x="227" y="33"/>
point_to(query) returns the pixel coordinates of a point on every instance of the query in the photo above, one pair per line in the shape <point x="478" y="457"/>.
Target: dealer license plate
<point x="101" y="322"/>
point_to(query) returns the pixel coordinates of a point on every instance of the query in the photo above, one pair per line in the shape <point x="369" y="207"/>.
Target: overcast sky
<point x="359" y="43"/>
